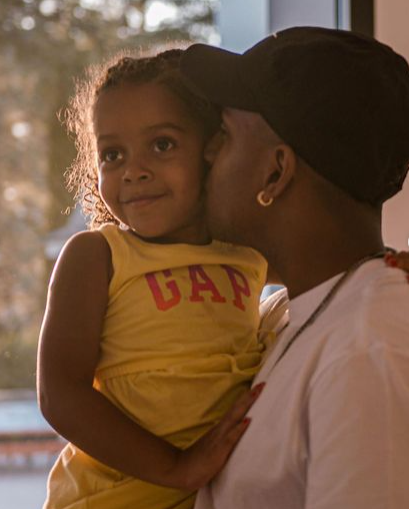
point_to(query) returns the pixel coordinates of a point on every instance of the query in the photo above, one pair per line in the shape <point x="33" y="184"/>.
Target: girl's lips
<point x="140" y="201"/>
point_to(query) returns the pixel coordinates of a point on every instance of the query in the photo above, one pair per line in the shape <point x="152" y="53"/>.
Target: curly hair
<point x="82" y="175"/>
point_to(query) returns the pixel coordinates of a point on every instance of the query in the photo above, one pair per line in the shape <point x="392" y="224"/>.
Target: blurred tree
<point x="43" y="45"/>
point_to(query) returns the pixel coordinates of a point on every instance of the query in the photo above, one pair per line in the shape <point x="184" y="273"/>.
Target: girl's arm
<point x="68" y="354"/>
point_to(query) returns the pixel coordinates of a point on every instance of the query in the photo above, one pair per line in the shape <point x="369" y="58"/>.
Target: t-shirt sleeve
<point x="273" y="317"/>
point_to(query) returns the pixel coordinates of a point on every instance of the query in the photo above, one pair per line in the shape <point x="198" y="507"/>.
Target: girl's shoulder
<point x="85" y="251"/>
<point x="87" y="243"/>
<point x="114" y="235"/>
<point x="243" y="254"/>
<point x="237" y="249"/>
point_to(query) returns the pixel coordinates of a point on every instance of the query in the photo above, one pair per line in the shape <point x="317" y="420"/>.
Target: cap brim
<point x="218" y="75"/>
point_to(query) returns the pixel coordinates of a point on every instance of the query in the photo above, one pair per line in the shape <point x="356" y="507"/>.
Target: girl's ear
<point x="280" y="172"/>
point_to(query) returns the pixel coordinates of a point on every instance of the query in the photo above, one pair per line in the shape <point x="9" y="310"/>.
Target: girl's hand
<point x="196" y="465"/>
<point x="399" y="260"/>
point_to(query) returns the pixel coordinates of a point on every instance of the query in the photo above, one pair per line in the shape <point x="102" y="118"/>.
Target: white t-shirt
<point x="331" y="428"/>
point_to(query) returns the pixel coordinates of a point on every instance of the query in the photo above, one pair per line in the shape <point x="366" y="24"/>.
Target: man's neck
<point x="306" y="267"/>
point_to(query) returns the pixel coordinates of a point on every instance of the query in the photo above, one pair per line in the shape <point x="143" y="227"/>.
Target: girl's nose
<point x="136" y="172"/>
<point x="213" y="146"/>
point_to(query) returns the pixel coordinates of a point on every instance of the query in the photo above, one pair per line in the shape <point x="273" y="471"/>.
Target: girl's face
<point x="150" y="162"/>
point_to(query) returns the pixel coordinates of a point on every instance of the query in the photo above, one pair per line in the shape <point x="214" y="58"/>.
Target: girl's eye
<point x="111" y="156"/>
<point x="163" y="145"/>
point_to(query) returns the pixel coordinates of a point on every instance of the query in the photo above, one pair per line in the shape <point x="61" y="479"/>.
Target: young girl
<point x="149" y="335"/>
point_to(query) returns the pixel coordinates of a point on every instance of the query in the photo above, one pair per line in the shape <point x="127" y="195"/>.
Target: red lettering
<point x="205" y="285"/>
<point x="238" y="289"/>
<point x="161" y="303"/>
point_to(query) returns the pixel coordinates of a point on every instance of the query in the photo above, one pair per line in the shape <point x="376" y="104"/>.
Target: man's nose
<point x="213" y="146"/>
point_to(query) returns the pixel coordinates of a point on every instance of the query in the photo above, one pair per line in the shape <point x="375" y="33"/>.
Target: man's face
<point x="238" y="155"/>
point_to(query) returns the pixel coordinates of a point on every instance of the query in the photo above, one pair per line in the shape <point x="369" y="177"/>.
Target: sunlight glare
<point x="158" y="12"/>
<point x="10" y="193"/>
<point x="28" y="23"/>
<point x="92" y="4"/>
<point x="20" y="129"/>
<point x="134" y="18"/>
<point x="48" y="7"/>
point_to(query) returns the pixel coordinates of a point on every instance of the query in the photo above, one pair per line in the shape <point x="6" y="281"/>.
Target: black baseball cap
<point x="339" y="98"/>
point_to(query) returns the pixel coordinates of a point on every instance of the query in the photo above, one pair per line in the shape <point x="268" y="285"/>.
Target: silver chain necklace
<point x="326" y="300"/>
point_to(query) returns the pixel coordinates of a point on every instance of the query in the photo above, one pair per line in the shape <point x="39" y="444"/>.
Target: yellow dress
<point x="179" y="345"/>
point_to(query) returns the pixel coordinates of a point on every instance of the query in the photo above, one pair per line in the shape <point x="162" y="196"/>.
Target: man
<point x="315" y="138"/>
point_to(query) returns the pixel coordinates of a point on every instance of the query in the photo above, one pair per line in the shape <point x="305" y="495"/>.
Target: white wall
<point x="391" y="27"/>
<point x="287" y="13"/>
<point x="242" y="23"/>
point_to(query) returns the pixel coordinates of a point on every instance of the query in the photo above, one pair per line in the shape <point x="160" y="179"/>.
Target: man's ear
<point x="281" y="170"/>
